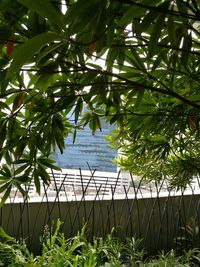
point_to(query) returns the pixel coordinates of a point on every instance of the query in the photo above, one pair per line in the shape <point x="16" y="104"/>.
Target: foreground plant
<point x="78" y="251"/>
<point x="12" y="252"/>
<point x="57" y="251"/>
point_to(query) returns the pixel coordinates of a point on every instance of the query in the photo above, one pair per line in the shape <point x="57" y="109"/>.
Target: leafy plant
<point x="189" y="235"/>
<point x="12" y="252"/>
<point x="167" y="259"/>
<point x="133" y="63"/>
<point x="79" y="252"/>
<point x="189" y="242"/>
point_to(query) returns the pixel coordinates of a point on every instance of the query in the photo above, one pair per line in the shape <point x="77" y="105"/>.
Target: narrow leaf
<point x="48" y="50"/>
<point x="48" y="163"/>
<point x="171" y="30"/>
<point x="74" y="136"/>
<point x="187" y="44"/>
<point x="27" y="50"/>
<point x="45" y="9"/>
<point x="44" y="175"/>
<point x="2" y="135"/>
<point x="22" y="168"/>
<point x="6" y="195"/>
<point x="21" y="190"/>
<point x="5" y="185"/>
<point x="78" y="109"/>
<point x="182" y="8"/>
<point x="37" y="181"/>
<point x="147" y="21"/>
<point x="132" y="12"/>
<point x="155" y="35"/>
<point x="139" y="98"/>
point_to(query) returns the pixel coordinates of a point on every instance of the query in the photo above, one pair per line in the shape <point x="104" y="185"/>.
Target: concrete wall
<point x="156" y="220"/>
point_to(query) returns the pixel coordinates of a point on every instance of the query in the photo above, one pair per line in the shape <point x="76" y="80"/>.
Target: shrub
<point x="57" y="251"/>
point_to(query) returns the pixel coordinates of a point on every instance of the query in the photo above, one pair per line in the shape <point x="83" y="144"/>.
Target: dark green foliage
<point x="146" y="81"/>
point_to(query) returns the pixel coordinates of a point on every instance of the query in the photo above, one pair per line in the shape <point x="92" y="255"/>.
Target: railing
<point x="76" y="183"/>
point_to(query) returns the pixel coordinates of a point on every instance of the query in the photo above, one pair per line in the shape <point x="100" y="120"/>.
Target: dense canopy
<point x="134" y="63"/>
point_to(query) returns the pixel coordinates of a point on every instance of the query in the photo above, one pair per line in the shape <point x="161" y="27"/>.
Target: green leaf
<point x="20" y="188"/>
<point x="148" y="19"/>
<point x="22" y="179"/>
<point x="3" y="131"/>
<point x="6" y="195"/>
<point x="78" y="109"/>
<point x="47" y="50"/>
<point x="187" y="44"/>
<point x="110" y="34"/>
<point x="182" y="8"/>
<point x="59" y="140"/>
<point x="95" y="66"/>
<point x="111" y="57"/>
<point x="121" y="57"/>
<point x="21" y="161"/>
<point x="43" y="174"/>
<point x="20" y="148"/>
<point x="27" y="50"/>
<point x="3" y="82"/>
<point x="37" y="181"/>
<point x="7" y="156"/>
<point x="3" y="179"/>
<point x="140" y="96"/>
<point x="153" y="42"/>
<point x="136" y="55"/>
<point x="65" y="102"/>
<point x="21" y="168"/>
<point x="6" y="171"/>
<point x="74" y="136"/>
<point x="171" y="30"/>
<point x="94" y="123"/>
<point x="80" y="14"/>
<point x="45" y="9"/>
<point x="132" y="12"/>
<point x="48" y="163"/>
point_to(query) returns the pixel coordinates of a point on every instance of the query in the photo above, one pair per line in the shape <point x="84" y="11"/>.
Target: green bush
<point x="57" y="251"/>
<point x="12" y="253"/>
<point x="77" y="251"/>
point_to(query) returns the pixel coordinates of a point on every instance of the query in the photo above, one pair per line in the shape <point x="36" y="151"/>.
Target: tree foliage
<point x="134" y="63"/>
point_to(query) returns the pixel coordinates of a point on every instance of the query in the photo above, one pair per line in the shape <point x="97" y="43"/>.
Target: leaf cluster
<point x="132" y="63"/>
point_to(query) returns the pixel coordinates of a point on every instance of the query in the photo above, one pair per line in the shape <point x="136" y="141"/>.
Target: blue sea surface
<point x="88" y="151"/>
